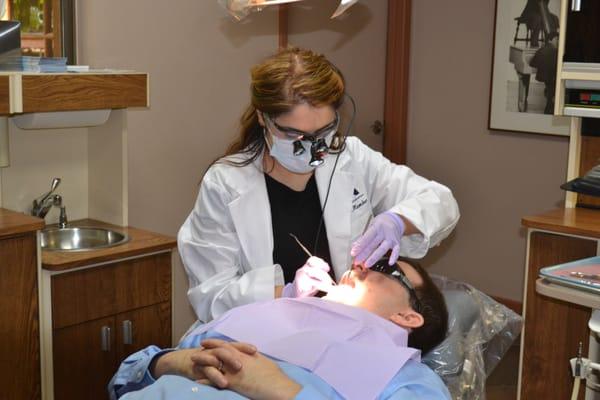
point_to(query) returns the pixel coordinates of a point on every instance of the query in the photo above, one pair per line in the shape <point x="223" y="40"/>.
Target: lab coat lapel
<point x="337" y="214"/>
<point x="251" y="214"/>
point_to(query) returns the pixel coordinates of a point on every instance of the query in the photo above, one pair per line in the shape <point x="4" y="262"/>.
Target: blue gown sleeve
<point x="133" y="372"/>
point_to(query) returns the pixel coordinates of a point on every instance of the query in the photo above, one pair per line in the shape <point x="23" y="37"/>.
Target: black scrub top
<point x="298" y="213"/>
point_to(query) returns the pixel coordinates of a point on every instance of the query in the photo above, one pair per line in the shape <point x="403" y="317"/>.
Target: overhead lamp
<point x="239" y="9"/>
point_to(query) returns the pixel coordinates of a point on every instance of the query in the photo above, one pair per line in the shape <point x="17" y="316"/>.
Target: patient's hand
<point x="191" y="363"/>
<point x="258" y="378"/>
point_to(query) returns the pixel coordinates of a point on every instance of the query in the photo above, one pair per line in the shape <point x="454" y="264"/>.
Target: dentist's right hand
<point x="310" y="278"/>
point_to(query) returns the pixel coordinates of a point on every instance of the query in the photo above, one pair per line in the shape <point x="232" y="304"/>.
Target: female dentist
<point x="291" y="172"/>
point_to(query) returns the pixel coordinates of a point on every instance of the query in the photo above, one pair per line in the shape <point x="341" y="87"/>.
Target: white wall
<point x="198" y="60"/>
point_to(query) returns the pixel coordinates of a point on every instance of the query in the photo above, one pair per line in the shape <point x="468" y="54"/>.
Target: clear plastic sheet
<point x="480" y="332"/>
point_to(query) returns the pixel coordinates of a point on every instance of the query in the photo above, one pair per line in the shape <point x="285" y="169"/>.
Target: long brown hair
<point x="292" y="76"/>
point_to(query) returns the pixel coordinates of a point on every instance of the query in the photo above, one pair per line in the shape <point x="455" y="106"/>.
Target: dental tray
<point x="581" y="274"/>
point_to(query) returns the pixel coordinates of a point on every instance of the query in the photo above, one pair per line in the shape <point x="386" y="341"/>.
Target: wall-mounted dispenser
<point x="61" y="119"/>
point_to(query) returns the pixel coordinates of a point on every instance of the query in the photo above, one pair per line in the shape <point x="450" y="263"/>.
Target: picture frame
<point x="523" y="68"/>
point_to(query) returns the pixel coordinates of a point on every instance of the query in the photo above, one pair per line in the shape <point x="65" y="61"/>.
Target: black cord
<point x="337" y="157"/>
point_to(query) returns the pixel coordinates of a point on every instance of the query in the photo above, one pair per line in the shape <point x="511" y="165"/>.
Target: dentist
<point x="292" y="172"/>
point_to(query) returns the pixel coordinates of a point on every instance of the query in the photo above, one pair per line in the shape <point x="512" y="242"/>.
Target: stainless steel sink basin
<point x="79" y="239"/>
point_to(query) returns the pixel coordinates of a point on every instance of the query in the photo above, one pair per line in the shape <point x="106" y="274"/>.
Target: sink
<point x="80" y="239"/>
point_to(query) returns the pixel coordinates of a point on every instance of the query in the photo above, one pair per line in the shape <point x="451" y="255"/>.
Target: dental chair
<point x="480" y="332"/>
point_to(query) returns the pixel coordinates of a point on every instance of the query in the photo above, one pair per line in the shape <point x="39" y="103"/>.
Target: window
<point x="46" y="26"/>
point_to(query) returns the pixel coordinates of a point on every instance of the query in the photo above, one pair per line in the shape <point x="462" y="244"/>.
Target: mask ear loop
<point x="337" y="157"/>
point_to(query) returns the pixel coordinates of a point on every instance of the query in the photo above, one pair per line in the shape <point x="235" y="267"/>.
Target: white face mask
<point x="283" y="151"/>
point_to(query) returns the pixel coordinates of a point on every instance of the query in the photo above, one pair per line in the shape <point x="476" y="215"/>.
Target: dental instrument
<point x="300" y="244"/>
<point x="322" y="288"/>
<point x="582" y="275"/>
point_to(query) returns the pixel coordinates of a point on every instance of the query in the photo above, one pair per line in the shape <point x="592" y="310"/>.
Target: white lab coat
<point x="226" y="243"/>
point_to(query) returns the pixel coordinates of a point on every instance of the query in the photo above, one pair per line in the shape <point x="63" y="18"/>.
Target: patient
<point x="358" y="342"/>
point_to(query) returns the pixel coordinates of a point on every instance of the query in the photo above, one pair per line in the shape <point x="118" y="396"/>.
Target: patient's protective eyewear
<point x="397" y="273"/>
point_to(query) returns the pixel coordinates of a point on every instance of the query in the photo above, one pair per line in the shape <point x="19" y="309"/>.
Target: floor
<point x="502" y="384"/>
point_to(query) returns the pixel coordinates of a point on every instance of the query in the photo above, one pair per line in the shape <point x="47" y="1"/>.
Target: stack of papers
<point x="581" y="274"/>
<point x="33" y="64"/>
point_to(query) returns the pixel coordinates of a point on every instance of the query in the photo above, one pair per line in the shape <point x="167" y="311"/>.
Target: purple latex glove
<point x="309" y="279"/>
<point x="383" y="234"/>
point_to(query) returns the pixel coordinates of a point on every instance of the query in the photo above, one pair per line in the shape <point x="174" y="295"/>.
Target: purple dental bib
<point x="353" y="350"/>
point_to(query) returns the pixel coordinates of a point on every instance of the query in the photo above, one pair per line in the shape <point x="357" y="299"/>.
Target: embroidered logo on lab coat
<point x="358" y="200"/>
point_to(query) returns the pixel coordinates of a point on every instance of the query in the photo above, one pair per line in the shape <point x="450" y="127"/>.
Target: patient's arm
<point x="257" y="378"/>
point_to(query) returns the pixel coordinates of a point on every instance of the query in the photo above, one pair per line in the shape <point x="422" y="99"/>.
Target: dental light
<point x="239" y="9"/>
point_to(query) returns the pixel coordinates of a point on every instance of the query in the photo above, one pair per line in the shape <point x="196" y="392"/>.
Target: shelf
<point x="580" y="76"/>
<point x="573" y="221"/>
<point x="567" y="294"/>
<point x="28" y="93"/>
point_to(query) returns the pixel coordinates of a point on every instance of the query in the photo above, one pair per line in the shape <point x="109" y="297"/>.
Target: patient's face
<point x="375" y="291"/>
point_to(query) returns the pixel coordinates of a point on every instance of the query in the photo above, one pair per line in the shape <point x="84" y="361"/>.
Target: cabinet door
<point x="553" y="328"/>
<point x="83" y="364"/>
<point x="19" y="326"/>
<point x="142" y="327"/>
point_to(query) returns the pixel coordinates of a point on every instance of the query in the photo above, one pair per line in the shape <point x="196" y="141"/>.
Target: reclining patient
<point x="361" y="341"/>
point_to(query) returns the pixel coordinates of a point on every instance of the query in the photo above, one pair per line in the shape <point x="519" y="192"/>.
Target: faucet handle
<point x="40" y="200"/>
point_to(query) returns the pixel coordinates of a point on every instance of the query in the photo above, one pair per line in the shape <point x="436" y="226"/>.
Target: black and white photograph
<point x="524" y="67"/>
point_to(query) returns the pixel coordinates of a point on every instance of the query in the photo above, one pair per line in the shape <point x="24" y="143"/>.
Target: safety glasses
<point x="395" y="272"/>
<point x="296" y="134"/>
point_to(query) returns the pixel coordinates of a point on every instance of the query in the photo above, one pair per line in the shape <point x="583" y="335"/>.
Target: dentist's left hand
<point x="310" y="278"/>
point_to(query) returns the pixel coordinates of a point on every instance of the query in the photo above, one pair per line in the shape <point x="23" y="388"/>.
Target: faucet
<point x="42" y="204"/>
<point x="62" y="219"/>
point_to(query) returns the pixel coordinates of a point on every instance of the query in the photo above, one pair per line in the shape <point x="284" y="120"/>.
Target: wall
<point x="356" y="43"/>
<point x="497" y="177"/>
<point x="36" y="157"/>
<point x="198" y="60"/>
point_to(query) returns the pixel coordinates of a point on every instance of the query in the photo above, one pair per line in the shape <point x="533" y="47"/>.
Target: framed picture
<point x="524" y="67"/>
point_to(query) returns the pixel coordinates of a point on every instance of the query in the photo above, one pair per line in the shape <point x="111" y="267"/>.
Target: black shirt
<point x="298" y="213"/>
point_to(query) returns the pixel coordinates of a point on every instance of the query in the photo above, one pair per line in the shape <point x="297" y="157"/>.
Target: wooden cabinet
<point x="102" y="314"/>
<point x="19" y="329"/>
<point x="19" y="306"/>
<point x="553" y="328"/>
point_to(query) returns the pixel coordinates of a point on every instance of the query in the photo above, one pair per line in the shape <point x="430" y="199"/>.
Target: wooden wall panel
<point x="4" y="96"/>
<point x="44" y="93"/>
<point x="553" y="328"/>
<point x="395" y="113"/>
<point x="19" y="322"/>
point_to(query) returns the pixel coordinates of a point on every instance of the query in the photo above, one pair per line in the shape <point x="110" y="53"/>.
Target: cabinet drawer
<point x="88" y="294"/>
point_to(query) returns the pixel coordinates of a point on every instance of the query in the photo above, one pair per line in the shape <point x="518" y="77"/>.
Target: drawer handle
<point x="105" y="334"/>
<point x="127" y="332"/>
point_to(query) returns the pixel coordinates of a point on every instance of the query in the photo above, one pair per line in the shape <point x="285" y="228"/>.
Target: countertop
<point x="573" y="221"/>
<point x="14" y="223"/>
<point x="140" y="242"/>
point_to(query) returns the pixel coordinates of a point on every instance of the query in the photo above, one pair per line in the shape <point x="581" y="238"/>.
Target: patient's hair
<point x="433" y="309"/>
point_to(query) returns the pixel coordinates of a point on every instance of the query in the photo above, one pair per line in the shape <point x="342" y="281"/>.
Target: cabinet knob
<point x="127" y="332"/>
<point x="105" y="338"/>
